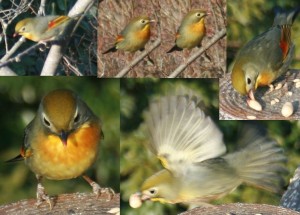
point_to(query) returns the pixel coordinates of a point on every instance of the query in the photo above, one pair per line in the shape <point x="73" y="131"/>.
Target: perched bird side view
<point x="62" y="141"/>
<point x="266" y="57"/>
<point x="190" y="32"/>
<point x="191" y="149"/>
<point x="43" y="28"/>
<point x="134" y="36"/>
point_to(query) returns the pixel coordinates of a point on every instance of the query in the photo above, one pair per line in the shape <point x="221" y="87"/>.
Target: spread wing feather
<point x="180" y="133"/>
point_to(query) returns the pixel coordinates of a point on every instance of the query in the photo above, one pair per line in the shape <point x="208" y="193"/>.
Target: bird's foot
<point x="41" y="196"/>
<point x="100" y="190"/>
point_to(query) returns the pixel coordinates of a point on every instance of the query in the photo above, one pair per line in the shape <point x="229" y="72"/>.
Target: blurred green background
<point x="19" y="100"/>
<point x="137" y="163"/>
<point x="247" y="19"/>
<point x="81" y="52"/>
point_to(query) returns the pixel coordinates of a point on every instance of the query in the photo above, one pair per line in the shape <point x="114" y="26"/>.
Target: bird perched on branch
<point x="191" y="149"/>
<point x="134" y="36"/>
<point x="266" y="57"/>
<point x="62" y="141"/>
<point x="190" y="32"/>
<point x="43" y="28"/>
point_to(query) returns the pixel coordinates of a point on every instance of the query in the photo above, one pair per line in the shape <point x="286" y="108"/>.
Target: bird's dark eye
<point x="143" y="21"/>
<point x="47" y="123"/>
<point x="152" y="191"/>
<point x="77" y="118"/>
<point x="248" y="81"/>
<point x="198" y="14"/>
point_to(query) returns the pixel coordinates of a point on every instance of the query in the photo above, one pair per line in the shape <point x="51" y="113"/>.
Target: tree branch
<point x="74" y="203"/>
<point x="182" y="67"/>
<point x="56" y="51"/>
<point x="241" y="209"/>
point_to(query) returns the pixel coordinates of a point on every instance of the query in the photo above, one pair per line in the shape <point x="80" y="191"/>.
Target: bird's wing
<point x="181" y="135"/>
<point x="58" y="20"/>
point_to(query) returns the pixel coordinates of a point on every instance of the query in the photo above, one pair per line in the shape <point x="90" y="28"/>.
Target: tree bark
<point x="64" y="204"/>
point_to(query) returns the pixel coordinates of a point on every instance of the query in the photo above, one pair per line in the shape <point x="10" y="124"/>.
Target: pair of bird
<point x="266" y="57"/>
<point x="137" y="33"/>
<point x="133" y="38"/>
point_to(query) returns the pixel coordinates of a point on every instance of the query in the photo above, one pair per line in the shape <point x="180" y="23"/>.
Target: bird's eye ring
<point x="198" y="14"/>
<point x="152" y="191"/>
<point x="248" y="81"/>
<point x="77" y="118"/>
<point x="47" y="123"/>
<point x="143" y="21"/>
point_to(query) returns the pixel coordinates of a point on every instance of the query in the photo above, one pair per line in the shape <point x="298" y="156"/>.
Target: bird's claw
<point x="41" y="196"/>
<point x="99" y="190"/>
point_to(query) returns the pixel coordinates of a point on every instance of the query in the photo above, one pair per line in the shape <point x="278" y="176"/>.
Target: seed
<point x="254" y="104"/>
<point x="296" y="80"/>
<point x="271" y="87"/>
<point x="278" y="86"/>
<point x="290" y="93"/>
<point x="273" y="102"/>
<point x="287" y="109"/>
<point x="276" y="100"/>
<point x="251" y="117"/>
<point x="135" y="200"/>
<point x="297" y="84"/>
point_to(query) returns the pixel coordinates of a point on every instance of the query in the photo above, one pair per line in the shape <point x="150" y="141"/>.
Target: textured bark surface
<point x="234" y="106"/>
<point x="291" y="198"/>
<point x="114" y="16"/>
<point x="241" y="209"/>
<point x="75" y="203"/>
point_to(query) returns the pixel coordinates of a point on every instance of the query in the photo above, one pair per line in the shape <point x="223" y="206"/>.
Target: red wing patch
<point x="57" y="21"/>
<point x="284" y="47"/>
<point x="119" y="38"/>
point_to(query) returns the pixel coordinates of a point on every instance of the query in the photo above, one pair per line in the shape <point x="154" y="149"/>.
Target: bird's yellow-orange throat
<point x="198" y="27"/>
<point x="144" y="33"/>
<point x="265" y="78"/>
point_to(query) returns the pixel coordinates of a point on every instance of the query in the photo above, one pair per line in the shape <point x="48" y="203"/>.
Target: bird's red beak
<point x="251" y="94"/>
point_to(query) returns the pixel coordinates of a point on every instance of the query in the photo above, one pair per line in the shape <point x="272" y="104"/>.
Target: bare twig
<point x="213" y="40"/>
<point x="71" y="67"/>
<point x="124" y="71"/>
<point x="41" y="11"/>
<point x="18" y="57"/>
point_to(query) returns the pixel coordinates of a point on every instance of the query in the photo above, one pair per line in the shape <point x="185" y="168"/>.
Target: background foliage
<point x="137" y="163"/>
<point x="19" y="100"/>
<point x="81" y="52"/>
<point x="247" y="19"/>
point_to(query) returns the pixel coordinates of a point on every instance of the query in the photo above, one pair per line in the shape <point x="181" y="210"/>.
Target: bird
<point x="134" y="36"/>
<point x="62" y="141"/>
<point x="43" y="28"/>
<point x="266" y="57"/>
<point x="191" y="149"/>
<point x="191" y="31"/>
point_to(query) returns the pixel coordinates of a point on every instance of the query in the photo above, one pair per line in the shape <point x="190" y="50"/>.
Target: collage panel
<point x="64" y="128"/>
<point x="263" y="61"/>
<point x="171" y="38"/>
<point x="177" y="155"/>
<point x="48" y="38"/>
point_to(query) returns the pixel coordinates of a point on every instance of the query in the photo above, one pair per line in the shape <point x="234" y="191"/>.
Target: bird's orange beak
<point x="64" y="137"/>
<point x="15" y="34"/>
